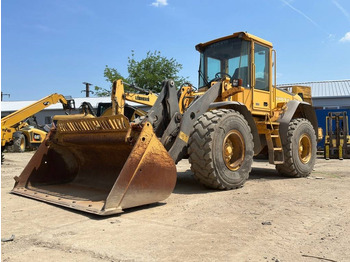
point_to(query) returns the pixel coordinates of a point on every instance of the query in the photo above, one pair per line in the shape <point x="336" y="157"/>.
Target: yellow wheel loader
<point x="105" y="164"/>
<point x="16" y="132"/>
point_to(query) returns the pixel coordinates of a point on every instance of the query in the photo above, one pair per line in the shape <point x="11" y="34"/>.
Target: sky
<point x="52" y="46"/>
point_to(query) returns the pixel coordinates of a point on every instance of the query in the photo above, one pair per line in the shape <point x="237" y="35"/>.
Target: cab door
<point x="261" y="79"/>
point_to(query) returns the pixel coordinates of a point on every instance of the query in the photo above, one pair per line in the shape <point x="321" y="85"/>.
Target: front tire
<point x="300" y="149"/>
<point x="221" y="149"/>
<point x="19" y="144"/>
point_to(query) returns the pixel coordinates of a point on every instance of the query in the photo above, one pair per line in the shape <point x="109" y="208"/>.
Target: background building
<point x="328" y="96"/>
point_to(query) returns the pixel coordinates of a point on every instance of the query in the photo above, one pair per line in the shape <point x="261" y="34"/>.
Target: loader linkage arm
<point x="173" y="128"/>
<point x="164" y="109"/>
<point x="87" y="109"/>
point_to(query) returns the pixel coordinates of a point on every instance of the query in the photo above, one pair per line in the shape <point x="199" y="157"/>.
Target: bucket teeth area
<point x="111" y="123"/>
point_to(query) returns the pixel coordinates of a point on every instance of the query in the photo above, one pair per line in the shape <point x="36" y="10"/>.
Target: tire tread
<point x="200" y="149"/>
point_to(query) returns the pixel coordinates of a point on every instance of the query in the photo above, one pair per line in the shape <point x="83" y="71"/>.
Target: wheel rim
<point x="23" y="144"/>
<point x="304" y="148"/>
<point x="233" y="150"/>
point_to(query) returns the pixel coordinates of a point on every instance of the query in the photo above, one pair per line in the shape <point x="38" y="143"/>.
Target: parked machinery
<point x="17" y="132"/>
<point x="117" y="105"/>
<point x="105" y="164"/>
<point x="337" y="139"/>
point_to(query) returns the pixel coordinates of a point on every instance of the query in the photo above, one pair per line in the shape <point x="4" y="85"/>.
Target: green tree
<point x="111" y="75"/>
<point x="152" y="70"/>
<point x="147" y="73"/>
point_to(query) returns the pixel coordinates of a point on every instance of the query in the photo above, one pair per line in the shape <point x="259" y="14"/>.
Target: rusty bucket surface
<point x="99" y="165"/>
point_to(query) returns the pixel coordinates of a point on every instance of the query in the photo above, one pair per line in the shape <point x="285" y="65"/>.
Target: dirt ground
<point x="272" y="218"/>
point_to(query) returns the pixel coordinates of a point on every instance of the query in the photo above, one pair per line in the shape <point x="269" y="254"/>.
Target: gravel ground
<point x="272" y="218"/>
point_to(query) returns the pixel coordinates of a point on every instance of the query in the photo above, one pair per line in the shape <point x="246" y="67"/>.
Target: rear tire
<point x="300" y="149"/>
<point x="19" y="144"/>
<point x="2" y="155"/>
<point x="221" y="149"/>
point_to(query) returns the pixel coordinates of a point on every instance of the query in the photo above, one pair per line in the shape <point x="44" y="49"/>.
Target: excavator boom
<point x="20" y="115"/>
<point x="12" y="123"/>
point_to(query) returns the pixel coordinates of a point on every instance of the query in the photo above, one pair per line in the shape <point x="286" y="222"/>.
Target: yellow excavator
<point x="17" y="132"/>
<point x="106" y="164"/>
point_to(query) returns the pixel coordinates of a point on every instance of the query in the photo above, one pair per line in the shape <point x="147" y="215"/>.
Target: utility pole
<point x="87" y="89"/>
<point x="2" y="95"/>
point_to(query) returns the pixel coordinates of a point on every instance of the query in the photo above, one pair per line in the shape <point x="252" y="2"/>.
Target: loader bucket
<point x="99" y="165"/>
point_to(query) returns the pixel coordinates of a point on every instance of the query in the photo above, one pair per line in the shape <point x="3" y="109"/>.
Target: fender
<point x="300" y="108"/>
<point x="241" y="108"/>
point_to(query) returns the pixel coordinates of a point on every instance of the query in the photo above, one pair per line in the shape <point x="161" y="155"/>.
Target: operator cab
<point x="231" y="57"/>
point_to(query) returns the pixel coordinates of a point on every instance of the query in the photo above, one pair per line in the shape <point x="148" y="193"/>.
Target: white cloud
<point x="345" y="38"/>
<point x="159" y="3"/>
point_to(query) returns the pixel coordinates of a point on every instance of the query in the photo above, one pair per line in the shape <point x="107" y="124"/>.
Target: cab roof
<point x="200" y="47"/>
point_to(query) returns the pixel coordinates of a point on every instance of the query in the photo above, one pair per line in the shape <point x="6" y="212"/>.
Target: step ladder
<point x="273" y="141"/>
<point x="274" y="146"/>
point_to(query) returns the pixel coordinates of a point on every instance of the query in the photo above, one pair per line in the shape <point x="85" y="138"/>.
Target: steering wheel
<point x="218" y="74"/>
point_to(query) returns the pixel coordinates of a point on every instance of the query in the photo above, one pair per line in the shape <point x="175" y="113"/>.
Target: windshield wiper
<point x="202" y="76"/>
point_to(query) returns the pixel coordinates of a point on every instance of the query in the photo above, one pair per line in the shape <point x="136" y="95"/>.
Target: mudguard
<point x="303" y="109"/>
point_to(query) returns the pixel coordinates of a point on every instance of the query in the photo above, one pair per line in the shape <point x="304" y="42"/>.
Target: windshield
<point x="230" y="57"/>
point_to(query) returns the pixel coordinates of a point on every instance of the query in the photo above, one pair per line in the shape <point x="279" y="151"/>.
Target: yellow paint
<point x="13" y="122"/>
<point x="183" y="137"/>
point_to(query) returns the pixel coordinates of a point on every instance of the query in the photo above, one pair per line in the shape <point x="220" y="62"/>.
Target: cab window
<point x="214" y="66"/>
<point x="229" y="57"/>
<point x="261" y="61"/>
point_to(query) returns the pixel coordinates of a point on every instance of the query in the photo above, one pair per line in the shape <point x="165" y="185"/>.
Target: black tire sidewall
<point x="17" y="144"/>
<point x="226" y="176"/>
<point x="303" y="169"/>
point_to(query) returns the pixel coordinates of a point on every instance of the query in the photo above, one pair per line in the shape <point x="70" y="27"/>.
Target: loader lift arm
<point x="118" y="105"/>
<point x="119" y="96"/>
<point x="174" y="128"/>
